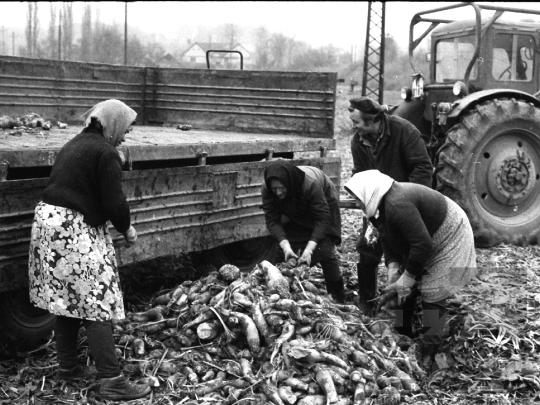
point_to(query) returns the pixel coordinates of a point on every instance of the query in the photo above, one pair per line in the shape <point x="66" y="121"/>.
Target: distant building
<point x="168" y="61"/>
<point x="195" y="56"/>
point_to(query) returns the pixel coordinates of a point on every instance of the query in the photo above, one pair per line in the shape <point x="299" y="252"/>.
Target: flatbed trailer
<point x="195" y="190"/>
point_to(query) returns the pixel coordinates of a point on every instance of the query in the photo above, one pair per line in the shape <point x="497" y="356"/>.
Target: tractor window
<point x="513" y="57"/>
<point x="452" y="58"/>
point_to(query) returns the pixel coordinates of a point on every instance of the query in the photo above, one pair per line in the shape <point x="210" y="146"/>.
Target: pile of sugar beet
<point x="272" y="335"/>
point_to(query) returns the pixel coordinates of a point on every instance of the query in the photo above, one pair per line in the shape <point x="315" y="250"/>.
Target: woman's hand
<point x="306" y="255"/>
<point x="393" y="273"/>
<point x="403" y="287"/>
<point x="130" y="236"/>
<point x="287" y="250"/>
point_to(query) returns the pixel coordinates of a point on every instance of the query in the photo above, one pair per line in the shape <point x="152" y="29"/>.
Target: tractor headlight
<point x="418" y="86"/>
<point x="406" y="93"/>
<point x="460" y="89"/>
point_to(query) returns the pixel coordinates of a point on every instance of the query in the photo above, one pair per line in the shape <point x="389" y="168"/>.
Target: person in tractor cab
<point x="301" y="208"/>
<point x="72" y="261"/>
<point x="427" y="236"/>
<point x="393" y="146"/>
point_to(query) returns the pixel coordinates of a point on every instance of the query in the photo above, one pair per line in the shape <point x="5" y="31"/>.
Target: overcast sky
<point x="342" y="24"/>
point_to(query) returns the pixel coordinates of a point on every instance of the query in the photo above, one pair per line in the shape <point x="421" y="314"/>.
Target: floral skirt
<point x="453" y="262"/>
<point x="72" y="266"/>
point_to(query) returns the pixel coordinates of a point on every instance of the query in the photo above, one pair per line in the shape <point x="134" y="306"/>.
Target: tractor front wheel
<point x="490" y="165"/>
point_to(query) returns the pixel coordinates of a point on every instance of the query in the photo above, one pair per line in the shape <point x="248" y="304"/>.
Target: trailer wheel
<point x="244" y="254"/>
<point x="490" y="165"/>
<point x="23" y="325"/>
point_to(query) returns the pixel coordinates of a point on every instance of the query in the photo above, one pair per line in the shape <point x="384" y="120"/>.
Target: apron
<point x="72" y="266"/>
<point x="453" y="262"/>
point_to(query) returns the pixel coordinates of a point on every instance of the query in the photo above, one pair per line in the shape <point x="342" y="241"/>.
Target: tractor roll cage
<point x="418" y="18"/>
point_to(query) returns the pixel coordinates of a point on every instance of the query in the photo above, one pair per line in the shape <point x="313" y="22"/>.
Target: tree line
<point x="104" y="43"/>
<point x="98" y="42"/>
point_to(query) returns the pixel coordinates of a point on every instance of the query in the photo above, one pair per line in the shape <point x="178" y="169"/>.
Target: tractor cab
<point x="475" y="54"/>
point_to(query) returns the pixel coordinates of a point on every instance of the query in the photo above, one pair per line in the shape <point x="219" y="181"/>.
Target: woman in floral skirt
<point x="72" y="265"/>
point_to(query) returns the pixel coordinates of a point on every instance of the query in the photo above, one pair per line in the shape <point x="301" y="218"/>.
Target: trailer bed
<point x="38" y="147"/>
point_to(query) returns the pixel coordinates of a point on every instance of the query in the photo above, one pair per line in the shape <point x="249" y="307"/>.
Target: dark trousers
<point x="100" y="342"/>
<point x="325" y="252"/>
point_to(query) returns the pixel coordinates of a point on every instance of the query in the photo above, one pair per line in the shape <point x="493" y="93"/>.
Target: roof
<point x="465" y="25"/>
<point x="207" y="46"/>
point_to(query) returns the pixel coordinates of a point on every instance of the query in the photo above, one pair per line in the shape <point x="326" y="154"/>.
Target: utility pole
<point x="373" y="75"/>
<point x="125" y="37"/>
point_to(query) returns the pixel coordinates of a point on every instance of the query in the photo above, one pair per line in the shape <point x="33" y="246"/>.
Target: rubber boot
<point x="336" y="289"/>
<point x="427" y="354"/>
<point x="119" y="388"/>
<point x="404" y="317"/>
<point x="367" y="285"/>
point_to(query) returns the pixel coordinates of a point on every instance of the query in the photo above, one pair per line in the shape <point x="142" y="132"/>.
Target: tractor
<point x="479" y="113"/>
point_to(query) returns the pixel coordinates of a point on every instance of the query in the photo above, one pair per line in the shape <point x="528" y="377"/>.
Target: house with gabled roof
<point x="195" y="56"/>
<point x="168" y="61"/>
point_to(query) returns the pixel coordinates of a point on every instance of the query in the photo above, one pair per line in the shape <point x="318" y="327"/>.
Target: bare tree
<point x="279" y="44"/>
<point x="231" y="34"/>
<point x="262" y="48"/>
<point x="52" y="36"/>
<point x="67" y="31"/>
<point x="32" y="29"/>
<point x="85" y="52"/>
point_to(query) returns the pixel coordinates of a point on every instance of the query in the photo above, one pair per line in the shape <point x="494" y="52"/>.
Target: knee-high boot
<point x="367" y="285"/>
<point x="336" y="289"/>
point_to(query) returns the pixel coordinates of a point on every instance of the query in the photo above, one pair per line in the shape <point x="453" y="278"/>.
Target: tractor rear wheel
<point x="490" y="166"/>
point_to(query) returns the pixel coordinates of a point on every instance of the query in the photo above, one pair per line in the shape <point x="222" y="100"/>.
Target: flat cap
<point x="366" y="105"/>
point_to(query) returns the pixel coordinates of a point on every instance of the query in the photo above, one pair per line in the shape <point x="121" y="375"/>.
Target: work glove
<point x="403" y="287"/>
<point x="287" y="250"/>
<point x="393" y="273"/>
<point x="306" y="255"/>
<point x="130" y="236"/>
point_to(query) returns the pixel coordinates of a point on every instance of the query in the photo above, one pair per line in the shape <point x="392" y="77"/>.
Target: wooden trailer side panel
<point x="175" y="210"/>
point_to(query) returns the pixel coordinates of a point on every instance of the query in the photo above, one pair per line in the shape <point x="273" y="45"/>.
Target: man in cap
<point x="393" y="146"/>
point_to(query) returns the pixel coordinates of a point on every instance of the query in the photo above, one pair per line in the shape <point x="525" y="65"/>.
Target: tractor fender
<point x="412" y="111"/>
<point x="464" y="104"/>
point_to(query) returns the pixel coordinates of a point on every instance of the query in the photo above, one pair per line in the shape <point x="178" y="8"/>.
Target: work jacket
<point x="401" y="154"/>
<point x="315" y="206"/>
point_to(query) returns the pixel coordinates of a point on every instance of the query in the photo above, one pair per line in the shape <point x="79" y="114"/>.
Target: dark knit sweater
<point x="410" y="215"/>
<point x="87" y="177"/>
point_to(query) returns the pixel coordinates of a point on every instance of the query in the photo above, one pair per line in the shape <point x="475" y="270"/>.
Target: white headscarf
<point x="369" y="187"/>
<point x="114" y="116"/>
